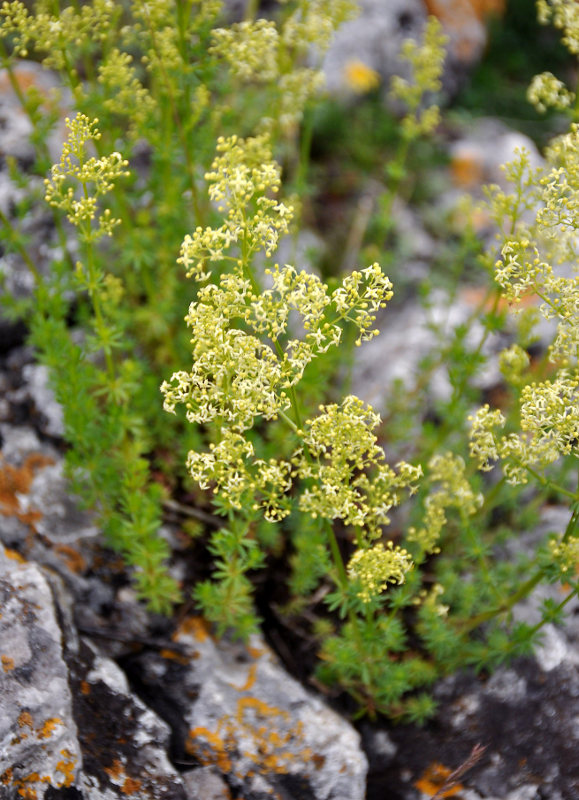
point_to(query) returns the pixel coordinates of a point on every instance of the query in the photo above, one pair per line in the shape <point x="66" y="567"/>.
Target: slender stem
<point x="23" y="252"/>
<point x="179" y="125"/>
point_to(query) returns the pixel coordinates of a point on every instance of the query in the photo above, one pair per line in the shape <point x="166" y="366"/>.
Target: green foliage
<point x="204" y="115"/>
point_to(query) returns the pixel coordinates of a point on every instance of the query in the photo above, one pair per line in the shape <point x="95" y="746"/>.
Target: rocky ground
<point x="100" y="700"/>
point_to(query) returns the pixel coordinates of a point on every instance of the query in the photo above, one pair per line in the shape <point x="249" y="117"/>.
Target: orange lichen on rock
<point x="262" y="709"/>
<point x="447" y="9"/>
<point x="215" y="754"/>
<point x="274" y="743"/>
<point x="16" y="481"/>
<point x="433" y="779"/>
<point x="467" y="168"/>
<point x="14" y="555"/>
<point x="25" y="719"/>
<point x="115" y="770"/>
<point x="6" y="777"/>
<point x="251" y="676"/>
<point x="131" y="785"/>
<point x="48" y="727"/>
<point x="173" y="655"/>
<point x="196" y="627"/>
<point x="73" y="559"/>
<point x="7" y="663"/>
<point x="66" y="766"/>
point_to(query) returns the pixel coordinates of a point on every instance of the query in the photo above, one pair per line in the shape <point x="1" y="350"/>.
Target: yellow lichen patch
<point x="215" y="754"/>
<point x="66" y="767"/>
<point x="7" y="663"/>
<point x="14" y="556"/>
<point x="262" y="709"/>
<point x="48" y="727"/>
<point x="84" y="687"/>
<point x="360" y="77"/>
<point x="16" y="481"/>
<point x="251" y="676"/>
<point x="433" y="778"/>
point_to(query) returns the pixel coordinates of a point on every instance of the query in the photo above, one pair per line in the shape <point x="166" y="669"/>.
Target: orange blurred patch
<point x="195" y="626"/>
<point x="15" y="481"/>
<point x="433" y="778"/>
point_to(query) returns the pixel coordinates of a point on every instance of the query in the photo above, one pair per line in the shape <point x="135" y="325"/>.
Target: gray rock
<point x="15" y="125"/>
<point x="409" y="333"/>
<point x="124" y="744"/>
<point x="525" y="716"/>
<point x="38" y="384"/>
<point x="68" y="719"/>
<point x="205" y="783"/>
<point x="38" y="734"/>
<point x="374" y="39"/>
<point x="244" y="715"/>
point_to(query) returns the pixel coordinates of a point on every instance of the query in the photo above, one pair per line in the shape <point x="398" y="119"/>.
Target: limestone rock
<point x="464" y="22"/>
<point x="373" y="39"/>
<point x="38" y="734"/>
<point x="242" y="714"/>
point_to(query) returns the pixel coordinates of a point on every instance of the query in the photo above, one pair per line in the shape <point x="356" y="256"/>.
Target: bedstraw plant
<point x="182" y="124"/>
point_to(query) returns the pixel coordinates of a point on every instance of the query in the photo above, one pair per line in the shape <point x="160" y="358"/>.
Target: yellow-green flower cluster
<point x="54" y="30"/>
<point x="94" y="177"/>
<point x="263" y="52"/>
<point x="426" y="62"/>
<point x="155" y="26"/>
<point x="566" y="554"/>
<point x="453" y="490"/>
<point x="231" y="468"/>
<point x="296" y="88"/>
<point x="563" y="14"/>
<point x="125" y="94"/>
<point x="241" y="177"/>
<point x="250" y="49"/>
<point x="549" y="422"/>
<point x="245" y="363"/>
<point x="513" y="361"/>
<point x="546" y="91"/>
<point x="535" y="249"/>
<point x="314" y="22"/>
<point x="345" y="470"/>
<point x="373" y="288"/>
<point x="235" y="376"/>
<point x="378" y="566"/>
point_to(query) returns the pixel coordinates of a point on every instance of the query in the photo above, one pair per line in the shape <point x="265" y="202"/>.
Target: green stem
<point x="199" y="216"/>
<point x="23" y="252"/>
